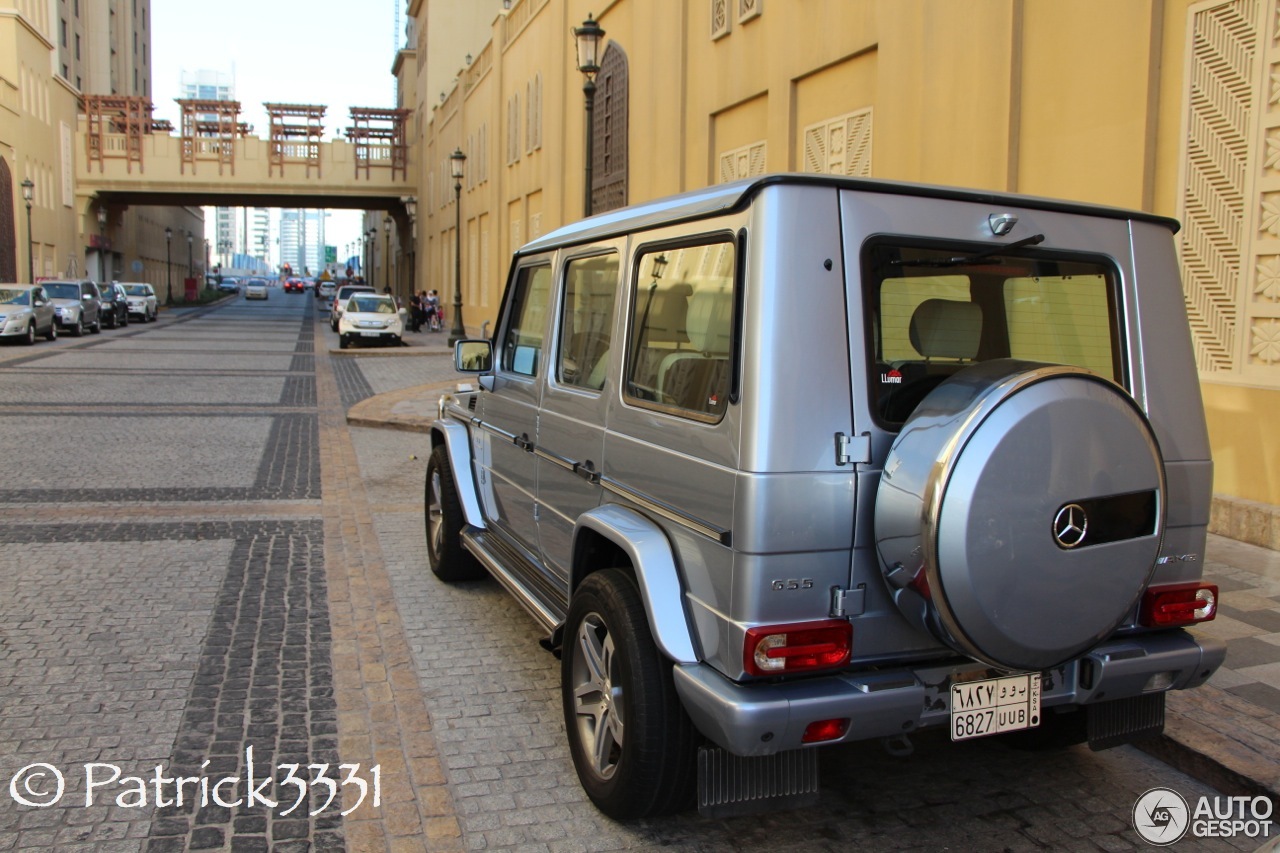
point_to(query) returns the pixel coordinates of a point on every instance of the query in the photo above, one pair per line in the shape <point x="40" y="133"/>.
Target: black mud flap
<point x="730" y="785"/>
<point x="1125" y="720"/>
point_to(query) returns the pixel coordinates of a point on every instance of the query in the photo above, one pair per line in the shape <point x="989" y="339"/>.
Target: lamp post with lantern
<point x="456" y="162"/>
<point x="588" y="38"/>
<point x="102" y="242"/>
<point x="386" y="254"/>
<point x="28" y="193"/>
<point x="168" y="264"/>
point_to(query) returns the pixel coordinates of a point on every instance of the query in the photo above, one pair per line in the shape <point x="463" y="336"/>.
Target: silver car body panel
<point x="783" y="486"/>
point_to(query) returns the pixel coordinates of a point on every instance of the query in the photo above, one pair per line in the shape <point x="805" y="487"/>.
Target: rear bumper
<point x="761" y="719"/>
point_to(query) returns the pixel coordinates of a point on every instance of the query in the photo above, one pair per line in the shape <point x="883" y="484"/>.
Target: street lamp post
<point x="372" y="238"/>
<point x="28" y="193"/>
<point x="588" y="38"/>
<point x="386" y="254"/>
<point x="411" y="208"/>
<point x="168" y="264"/>
<point x="191" y="269"/>
<point x="456" y="161"/>
<point x="102" y="242"/>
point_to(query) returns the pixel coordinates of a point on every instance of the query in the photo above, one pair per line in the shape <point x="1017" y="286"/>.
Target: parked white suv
<point x="805" y="460"/>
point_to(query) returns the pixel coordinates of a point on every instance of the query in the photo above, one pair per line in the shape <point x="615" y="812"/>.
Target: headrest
<point x="945" y="328"/>
<point x="667" y="313"/>
<point x="710" y="320"/>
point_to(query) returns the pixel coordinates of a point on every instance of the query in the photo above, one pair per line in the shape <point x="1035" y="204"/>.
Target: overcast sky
<point x="289" y="51"/>
<point x="332" y="52"/>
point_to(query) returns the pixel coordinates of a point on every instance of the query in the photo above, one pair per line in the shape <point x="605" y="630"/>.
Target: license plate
<point x="995" y="705"/>
<point x="370" y="334"/>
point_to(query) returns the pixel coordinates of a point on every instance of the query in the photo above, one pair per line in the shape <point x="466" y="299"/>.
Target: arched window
<point x="609" y="133"/>
<point x="8" y="226"/>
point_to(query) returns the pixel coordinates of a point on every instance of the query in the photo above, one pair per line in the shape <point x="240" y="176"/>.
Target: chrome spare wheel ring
<point x="598" y="698"/>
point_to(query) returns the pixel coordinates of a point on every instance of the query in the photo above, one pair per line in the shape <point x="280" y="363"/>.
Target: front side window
<point x="522" y="339"/>
<point x="933" y="310"/>
<point x="682" y="330"/>
<point x="586" y="321"/>
<point x="15" y="296"/>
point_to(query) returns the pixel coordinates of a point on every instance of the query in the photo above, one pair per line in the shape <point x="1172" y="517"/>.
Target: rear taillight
<point x="1178" y="604"/>
<point x="798" y="647"/>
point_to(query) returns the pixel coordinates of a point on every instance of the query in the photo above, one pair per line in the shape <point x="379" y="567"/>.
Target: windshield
<point x="371" y="305"/>
<point x="64" y="290"/>
<point x="15" y="297"/>
<point x="257" y="282"/>
<point x="135" y="290"/>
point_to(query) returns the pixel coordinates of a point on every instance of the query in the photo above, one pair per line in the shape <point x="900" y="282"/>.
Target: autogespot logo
<point x="1161" y="816"/>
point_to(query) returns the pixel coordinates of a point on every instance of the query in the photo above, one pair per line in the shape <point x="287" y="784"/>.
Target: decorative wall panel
<point x="1230" y="189"/>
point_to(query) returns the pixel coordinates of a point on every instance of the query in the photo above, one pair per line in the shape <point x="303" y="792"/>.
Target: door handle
<point x="522" y="441"/>
<point x="586" y="471"/>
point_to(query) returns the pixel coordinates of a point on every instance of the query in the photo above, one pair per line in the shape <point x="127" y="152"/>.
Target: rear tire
<point x="442" y="512"/>
<point x="632" y="743"/>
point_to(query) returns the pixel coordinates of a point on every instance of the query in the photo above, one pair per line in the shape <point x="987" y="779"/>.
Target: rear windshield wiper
<point x="960" y="260"/>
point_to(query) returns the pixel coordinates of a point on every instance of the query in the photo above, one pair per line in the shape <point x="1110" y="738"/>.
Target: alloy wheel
<point x="598" y="699"/>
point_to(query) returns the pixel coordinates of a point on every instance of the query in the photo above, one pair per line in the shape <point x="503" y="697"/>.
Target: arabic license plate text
<point x="995" y="705"/>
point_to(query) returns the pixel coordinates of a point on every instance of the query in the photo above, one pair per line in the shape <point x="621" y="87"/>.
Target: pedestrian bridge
<point x="123" y="157"/>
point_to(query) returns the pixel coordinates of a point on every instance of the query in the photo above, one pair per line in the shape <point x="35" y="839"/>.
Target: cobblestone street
<point x="208" y="574"/>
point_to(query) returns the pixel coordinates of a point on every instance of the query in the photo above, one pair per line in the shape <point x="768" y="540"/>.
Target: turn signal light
<point x="1178" y="604"/>
<point x="824" y="730"/>
<point x="798" y="647"/>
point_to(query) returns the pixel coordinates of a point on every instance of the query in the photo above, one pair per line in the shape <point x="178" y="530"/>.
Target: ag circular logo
<point x="1161" y="816"/>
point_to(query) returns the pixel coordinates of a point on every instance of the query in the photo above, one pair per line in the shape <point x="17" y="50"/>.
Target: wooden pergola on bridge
<point x="209" y="130"/>
<point x="116" y="125"/>
<point x="379" y="139"/>
<point x="296" y="133"/>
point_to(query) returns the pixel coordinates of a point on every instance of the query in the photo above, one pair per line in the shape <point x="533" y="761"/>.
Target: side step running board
<point x="475" y="541"/>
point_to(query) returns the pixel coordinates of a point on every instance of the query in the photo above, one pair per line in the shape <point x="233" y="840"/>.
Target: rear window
<point x="933" y="310"/>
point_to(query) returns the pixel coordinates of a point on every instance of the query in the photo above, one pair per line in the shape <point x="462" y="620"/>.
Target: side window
<point x="526" y="322"/>
<point x="679" y="355"/>
<point x="586" y="321"/>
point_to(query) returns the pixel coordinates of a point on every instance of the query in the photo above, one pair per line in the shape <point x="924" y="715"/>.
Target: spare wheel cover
<point x="1020" y="512"/>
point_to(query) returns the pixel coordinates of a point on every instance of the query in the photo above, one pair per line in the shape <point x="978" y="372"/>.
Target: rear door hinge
<point x="853" y="449"/>
<point x="848" y="602"/>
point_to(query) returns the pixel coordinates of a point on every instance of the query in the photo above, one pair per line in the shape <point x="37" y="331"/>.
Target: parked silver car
<point x="26" y="313"/>
<point x="804" y="460"/>
<point x="142" y="300"/>
<point x="76" y="305"/>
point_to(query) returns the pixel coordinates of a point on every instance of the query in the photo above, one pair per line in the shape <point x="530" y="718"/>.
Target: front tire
<point x="632" y="743"/>
<point x="77" y="330"/>
<point x="96" y="328"/>
<point x="52" y="334"/>
<point x="442" y="511"/>
<point x="29" y="339"/>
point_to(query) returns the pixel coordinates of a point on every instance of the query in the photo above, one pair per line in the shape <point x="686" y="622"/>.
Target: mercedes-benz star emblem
<point x="1070" y="525"/>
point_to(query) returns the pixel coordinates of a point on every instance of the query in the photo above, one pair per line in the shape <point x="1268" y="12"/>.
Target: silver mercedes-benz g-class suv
<point x="804" y="460"/>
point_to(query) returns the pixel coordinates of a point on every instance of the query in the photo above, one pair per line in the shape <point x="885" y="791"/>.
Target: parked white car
<point x="370" y="318"/>
<point x="141" y="298"/>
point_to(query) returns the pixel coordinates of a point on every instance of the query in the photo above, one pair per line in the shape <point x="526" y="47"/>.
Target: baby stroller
<point x="434" y="315"/>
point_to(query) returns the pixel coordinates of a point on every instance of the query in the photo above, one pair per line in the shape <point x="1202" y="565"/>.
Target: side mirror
<point x="473" y="356"/>
<point x="87" y="296"/>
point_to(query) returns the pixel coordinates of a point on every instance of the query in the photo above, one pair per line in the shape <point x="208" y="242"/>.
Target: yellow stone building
<point x="52" y="52"/>
<point x="1168" y="106"/>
